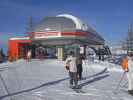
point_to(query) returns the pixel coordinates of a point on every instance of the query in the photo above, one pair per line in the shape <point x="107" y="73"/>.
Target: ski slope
<point x="48" y="80"/>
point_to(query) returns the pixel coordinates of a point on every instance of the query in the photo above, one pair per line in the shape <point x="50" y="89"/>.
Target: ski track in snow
<point x="48" y="80"/>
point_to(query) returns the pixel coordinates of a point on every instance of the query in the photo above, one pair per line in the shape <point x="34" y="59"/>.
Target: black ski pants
<point x="73" y="78"/>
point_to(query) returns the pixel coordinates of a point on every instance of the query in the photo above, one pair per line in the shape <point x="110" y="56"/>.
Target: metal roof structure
<point x="66" y="25"/>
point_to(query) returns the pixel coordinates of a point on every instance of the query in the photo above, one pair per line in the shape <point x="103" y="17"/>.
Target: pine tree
<point x="130" y="39"/>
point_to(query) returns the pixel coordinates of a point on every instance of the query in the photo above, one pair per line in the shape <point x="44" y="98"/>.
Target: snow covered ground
<point x="48" y="80"/>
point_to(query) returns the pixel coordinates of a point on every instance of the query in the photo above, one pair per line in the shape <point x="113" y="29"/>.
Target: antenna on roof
<point x="29" y="24"/>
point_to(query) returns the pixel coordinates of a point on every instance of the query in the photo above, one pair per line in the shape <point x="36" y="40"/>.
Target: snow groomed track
<point x="48" y="80"/>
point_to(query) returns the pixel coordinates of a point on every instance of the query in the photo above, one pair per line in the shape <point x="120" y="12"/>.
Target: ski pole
<point x="5" y="86"/>
<point x="119" y="82"/>
<point x="125" y="84"/>
<point x="84" y="68"/>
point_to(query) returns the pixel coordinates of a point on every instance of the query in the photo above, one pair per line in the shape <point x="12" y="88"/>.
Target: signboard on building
<point x="41" y="35"/>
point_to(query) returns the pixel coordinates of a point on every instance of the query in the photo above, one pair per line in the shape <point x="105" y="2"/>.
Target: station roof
<point x="66" y="23"/>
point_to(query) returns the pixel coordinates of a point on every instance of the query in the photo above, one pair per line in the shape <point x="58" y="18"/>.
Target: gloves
<point x="126" y="70"/>
<point x="67" y="67"/>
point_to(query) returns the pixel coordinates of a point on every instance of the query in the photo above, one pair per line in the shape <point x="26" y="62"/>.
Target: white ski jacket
<point x="71" y="62"/>
<point x="130" y="73"/>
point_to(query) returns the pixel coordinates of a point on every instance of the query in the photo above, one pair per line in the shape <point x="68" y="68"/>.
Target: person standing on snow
<point x="71" y="66"/>
<point x="127" y="65"/>
<point x="79" y="66"/>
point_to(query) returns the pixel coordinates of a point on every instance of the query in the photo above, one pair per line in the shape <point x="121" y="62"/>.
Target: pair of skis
<point x="78" y="90"/>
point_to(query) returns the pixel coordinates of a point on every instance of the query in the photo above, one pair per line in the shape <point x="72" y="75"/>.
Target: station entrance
<point x="56" y="51"/>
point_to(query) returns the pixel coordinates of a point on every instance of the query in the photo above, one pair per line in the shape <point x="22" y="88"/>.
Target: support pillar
<point x="60" y="53"/>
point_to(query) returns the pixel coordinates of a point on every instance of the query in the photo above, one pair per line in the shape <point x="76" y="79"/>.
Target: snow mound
<point x="103" y="65"/>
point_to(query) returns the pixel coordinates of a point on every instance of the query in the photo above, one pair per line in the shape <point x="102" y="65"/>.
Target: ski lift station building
<point x="59" y="34"/>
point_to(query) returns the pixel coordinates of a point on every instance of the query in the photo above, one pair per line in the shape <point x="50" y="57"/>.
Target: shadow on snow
<point x="97" y="78"/>
<point x="58" y="81"/>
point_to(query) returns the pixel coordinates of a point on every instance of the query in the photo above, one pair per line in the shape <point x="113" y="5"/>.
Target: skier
<point x="79" y="66"/>
<point x="72" y="68"/>
<point x="28" y="55"/>
<point x="127" y="65"/>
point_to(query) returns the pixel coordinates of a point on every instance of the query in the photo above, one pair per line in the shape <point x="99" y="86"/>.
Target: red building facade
<point x="17" y="48"/>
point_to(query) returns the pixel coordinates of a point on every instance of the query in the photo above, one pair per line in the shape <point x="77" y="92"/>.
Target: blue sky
<point x="110" y="18"/>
